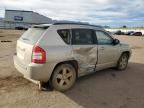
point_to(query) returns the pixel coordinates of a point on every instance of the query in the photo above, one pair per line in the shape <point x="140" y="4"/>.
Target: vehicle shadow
<point x="109" y="88"/>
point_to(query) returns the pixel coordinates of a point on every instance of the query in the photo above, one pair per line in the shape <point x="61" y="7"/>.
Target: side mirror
<point x="116" y="41"/>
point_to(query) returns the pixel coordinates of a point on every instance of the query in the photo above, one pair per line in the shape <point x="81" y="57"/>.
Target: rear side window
<point x="82" y="37"/>
<point x="65" y="35"/>
<point x="32" y="35"/>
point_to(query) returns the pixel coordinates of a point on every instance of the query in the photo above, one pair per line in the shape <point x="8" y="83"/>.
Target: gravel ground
<point x="105" y="89"/>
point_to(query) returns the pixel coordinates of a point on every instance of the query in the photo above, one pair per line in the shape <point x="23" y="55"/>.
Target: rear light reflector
<point x="38" y="55"/>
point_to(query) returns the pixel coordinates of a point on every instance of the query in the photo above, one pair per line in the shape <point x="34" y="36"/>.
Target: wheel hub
<point x="123" y="62"/>
<point x="64" y="77"/>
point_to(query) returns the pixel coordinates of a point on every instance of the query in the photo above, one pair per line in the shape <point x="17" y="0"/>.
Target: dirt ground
<point x="105" y="89"/>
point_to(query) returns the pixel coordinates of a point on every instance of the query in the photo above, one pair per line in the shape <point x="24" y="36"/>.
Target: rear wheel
<point x="63" y="78"/>
<point x="123" y="62"/>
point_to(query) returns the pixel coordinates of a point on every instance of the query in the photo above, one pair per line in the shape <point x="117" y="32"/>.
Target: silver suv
<point x="60" y="53"/>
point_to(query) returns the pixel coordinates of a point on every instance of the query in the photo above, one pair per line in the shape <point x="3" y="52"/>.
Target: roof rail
<point x="75" y="23"/>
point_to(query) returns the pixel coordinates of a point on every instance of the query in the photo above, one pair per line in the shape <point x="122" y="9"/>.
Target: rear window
<point x="32" y="35"/>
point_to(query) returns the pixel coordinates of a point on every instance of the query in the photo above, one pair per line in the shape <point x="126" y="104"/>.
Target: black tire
<point x="63" y="78"/>
<point x="123" y="62"/>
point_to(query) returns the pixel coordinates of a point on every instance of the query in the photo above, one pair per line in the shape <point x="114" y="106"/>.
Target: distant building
<point x="1" y="23"/>
<point x="24" y="19"/>
<point x="20" y="18"/>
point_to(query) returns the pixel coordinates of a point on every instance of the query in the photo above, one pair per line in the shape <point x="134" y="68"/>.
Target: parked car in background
<point x="129" y="33"/>
<point x="119" y="32"/>
<point x="60" y="53"/>
<point x="136" y="34"/>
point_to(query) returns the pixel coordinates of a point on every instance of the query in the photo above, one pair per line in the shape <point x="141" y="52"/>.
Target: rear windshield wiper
<point x="41" y="27"/>
<point x="25" y="39"/>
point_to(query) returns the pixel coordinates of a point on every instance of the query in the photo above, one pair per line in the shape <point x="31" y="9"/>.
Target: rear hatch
<point x="27" y="41"/>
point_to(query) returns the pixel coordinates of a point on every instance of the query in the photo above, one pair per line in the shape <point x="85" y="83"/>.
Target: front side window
<point x="82" y="37"/>
<point x="103" y="38"/>
<point x="65" y="35"/>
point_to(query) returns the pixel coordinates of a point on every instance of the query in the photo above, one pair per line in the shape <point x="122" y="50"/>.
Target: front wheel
<point x="63" y="78"/>
<point x="123" y="62"/>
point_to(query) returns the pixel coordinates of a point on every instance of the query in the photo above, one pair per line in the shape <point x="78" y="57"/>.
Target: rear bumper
<point x="37" y="72"/>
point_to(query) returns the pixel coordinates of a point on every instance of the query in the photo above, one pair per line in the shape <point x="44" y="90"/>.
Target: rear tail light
<point x="38" y="55"/>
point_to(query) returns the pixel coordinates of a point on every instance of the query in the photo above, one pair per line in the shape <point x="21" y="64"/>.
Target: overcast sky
<point x="100" y="12"/>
